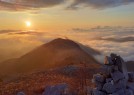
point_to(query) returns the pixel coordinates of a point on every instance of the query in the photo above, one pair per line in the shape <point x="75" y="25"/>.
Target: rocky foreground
<point x="112" y="79"/>
<point x="36" y="83"/>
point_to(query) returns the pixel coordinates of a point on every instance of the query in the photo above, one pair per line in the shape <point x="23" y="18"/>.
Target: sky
<point x="26" y="24"/>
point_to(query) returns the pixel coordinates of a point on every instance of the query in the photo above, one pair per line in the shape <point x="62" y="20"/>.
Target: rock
<point x="20" y="93"/>
<point x="116" y="76"/>
<point x="109" y="88"/>
<point x="98" y="78"/>
<point x="108" y="80"/>
<point x="130" y="86"/>
<point x="106" y="70"/>
<point x="113" y="57"/>
<point x="131" y="76"/>
<point x="120" y="92"/>
<point x="121" y="84"/>
<point x="97" y="92"/>
<point x="108" y="60"/>
<point x="129" y="92"/>
<point x="55" y="90"/>
<point x="113" y="80"/>
<point x="116" y="68"/>
<point x="122" y="66"/>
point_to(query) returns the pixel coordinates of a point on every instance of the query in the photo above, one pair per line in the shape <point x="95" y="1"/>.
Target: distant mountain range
<point x="55" y="54"/>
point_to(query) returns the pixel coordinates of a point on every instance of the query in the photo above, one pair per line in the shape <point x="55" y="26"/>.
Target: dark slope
<point x="57" y="53"/>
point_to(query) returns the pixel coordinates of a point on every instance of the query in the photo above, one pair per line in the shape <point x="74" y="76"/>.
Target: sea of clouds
<point x="106" y="39"/>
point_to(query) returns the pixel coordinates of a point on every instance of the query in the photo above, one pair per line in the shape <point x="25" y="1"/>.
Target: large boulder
<point x="122" y="66"/>
<point x="109" y="88"/>
<point x="114" y="78"/>
<point x="98" y="78"/>
<point x="20" y="93"/>
<point x="59" y="89"/>
<point x="130" y="85"/>
<point x="106" y="70"/>
<point x="97" y="92"/>
<point x="108" y="61"/>
<point x="120" y="92"/>
<point x="129" y="92"/>
<point x="117" y="75"/>
<point x="121" y="84"/>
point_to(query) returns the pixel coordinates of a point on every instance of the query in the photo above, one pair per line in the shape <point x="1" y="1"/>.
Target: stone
<point x="99" y="85"/>
<point x="97" y="92"/>
<point x="129" y="92"/>
<point x="116" y="68"/>
<point x="108" y="80"/>
<point x="130" y="86"/>
<point x="55" y="90"/>
<point x="116" y="76"/>
<point x="108" y="60"/>
<point x="20" y="93"/>
<point x="98" y="78"/>
<point x="113" y="57"/>
<point x="106" y="70"/>
<point x="109" y="88"/>
<point x="121" y="84"/>
<point x="131" y="76"/>
<point x="122" y="66"/>
<point x="120" y="92"/>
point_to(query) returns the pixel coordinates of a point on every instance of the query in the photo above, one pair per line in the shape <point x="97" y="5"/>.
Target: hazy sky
<point x="106" y="25"/>
<point x="53" y="15"/>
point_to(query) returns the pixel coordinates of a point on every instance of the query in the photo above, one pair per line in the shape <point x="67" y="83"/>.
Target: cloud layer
<point x="105" y="39"/>
<point x="99" y="4"/>
<point x="17" y="5"/>
<point x="123" y="39"/>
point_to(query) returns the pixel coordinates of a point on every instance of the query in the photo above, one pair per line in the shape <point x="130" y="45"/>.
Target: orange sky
<point x="58" y="18"/>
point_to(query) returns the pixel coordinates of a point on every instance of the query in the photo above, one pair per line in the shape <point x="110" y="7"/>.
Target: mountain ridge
<point x="56" y="53"/>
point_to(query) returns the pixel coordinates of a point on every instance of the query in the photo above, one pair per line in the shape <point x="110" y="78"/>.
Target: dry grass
<point x="34" y="84"/>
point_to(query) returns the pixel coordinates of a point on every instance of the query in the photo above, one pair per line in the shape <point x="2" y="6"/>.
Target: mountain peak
<point x="56" y="53"/>
<point x="62" y="43"/>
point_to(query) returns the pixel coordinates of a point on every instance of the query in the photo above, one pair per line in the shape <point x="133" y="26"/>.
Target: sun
<point x="28" y="23"/>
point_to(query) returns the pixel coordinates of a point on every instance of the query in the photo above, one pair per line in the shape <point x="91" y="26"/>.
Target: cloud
<point x="104" y="39"/>
<point x="107" y="39"/>
<point x="8" y="31"/>
<point x="80" y="30"/>
<point x="105" y="29"/>
<point x="21" y="5"/>
<point x="20" y="32"/>
<point x="99" y="4"/>
<point x="17" y="5"/>
<point x="123" y="39"/>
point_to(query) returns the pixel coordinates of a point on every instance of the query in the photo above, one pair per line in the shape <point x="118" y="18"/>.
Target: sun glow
<point x="28" y="23"/>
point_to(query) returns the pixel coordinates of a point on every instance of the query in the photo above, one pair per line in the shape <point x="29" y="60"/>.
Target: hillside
<point x="55" y="54"/>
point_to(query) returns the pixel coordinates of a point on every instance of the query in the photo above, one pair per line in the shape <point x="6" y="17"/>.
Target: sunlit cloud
<point x="99" y="4"/>
<point x="21" y="5"/>
<point x="103" y="39"/>
<point x="8" y="31"/>
<point x="17" y="5"/>
<point x="118" y="39"/>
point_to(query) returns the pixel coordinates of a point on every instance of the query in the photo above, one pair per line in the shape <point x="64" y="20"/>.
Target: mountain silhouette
<point x="55" y="54"/>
